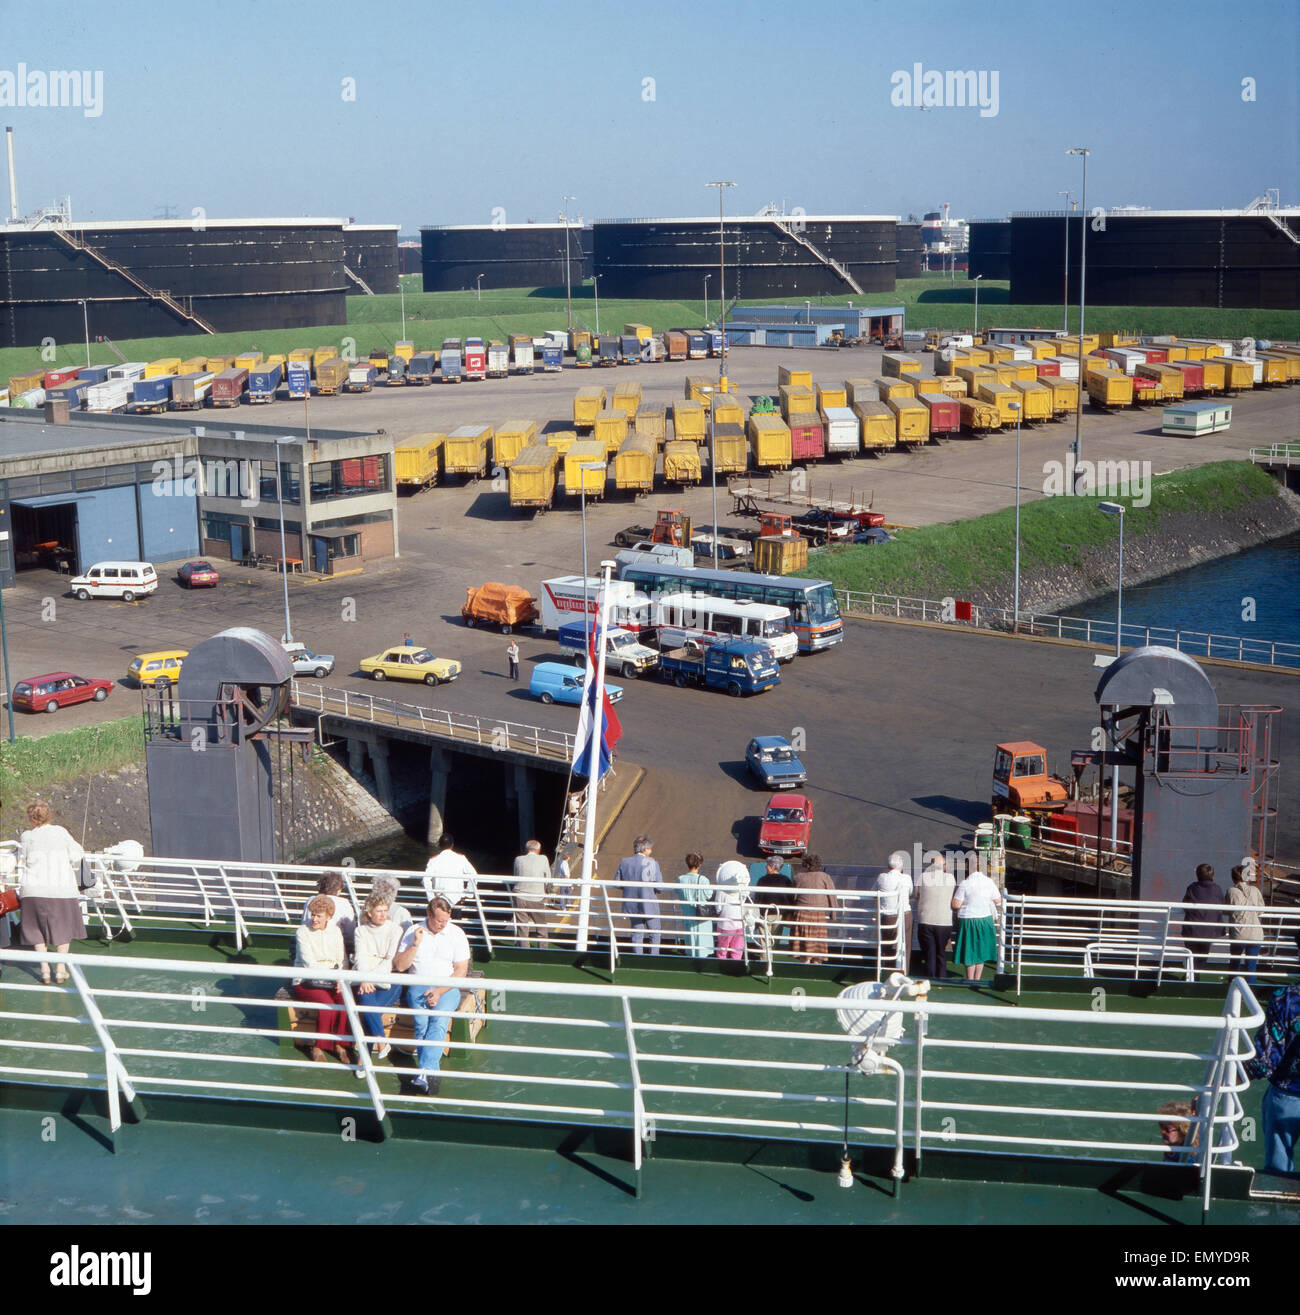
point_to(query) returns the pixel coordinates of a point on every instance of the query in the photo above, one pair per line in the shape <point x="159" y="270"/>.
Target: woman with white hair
<point x="730" y="887"/>
<point x="976" y="903"/>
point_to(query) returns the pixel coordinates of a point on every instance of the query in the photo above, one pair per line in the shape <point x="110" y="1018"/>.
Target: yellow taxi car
<point x="157" y="670"/>
<point x="407" y="662"/>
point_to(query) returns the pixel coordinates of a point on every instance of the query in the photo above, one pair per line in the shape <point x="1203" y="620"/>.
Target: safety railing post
<point x="360" y="1034"/>
<point x="638" y="1100"/>
<point x="116" y="1080"/>
<point x="241" y="928"/>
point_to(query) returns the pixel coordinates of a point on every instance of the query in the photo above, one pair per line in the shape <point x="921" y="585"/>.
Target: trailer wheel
<point x="681" y="680"/>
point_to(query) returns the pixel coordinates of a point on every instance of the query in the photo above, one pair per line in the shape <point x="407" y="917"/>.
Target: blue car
<point x="560" y="682"/>
<point x="772" y="759"/>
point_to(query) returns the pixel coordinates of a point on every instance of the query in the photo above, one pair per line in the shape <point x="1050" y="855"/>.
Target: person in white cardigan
<point x="51" y="899"/>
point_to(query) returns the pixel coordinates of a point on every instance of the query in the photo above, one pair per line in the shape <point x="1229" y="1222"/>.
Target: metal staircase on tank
<point x="80" y="245"/>
<point x="790" y="228"/>
<point x="359" y="281"/>
<point x="1266" y="205"/>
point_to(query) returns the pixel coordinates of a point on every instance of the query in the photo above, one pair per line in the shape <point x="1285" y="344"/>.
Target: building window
<point x="267" y="488"/>
<point x="351" y="476"/>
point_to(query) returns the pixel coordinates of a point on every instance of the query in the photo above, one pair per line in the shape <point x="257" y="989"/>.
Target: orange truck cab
<point x="1020" y="779"/>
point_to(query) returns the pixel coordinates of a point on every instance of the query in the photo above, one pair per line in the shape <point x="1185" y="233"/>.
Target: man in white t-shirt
<point x="433" y="948"/>
<point x="449" y="874"/>
<point x="895" y="888"/>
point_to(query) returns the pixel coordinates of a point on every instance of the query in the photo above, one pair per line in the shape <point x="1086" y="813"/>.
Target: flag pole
<point x="593" y="764"/>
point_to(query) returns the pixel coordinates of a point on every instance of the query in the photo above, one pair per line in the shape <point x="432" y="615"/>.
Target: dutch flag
<point x="611" y="729"/>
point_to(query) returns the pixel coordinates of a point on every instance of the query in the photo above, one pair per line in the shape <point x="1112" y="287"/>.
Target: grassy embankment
<point x="964" y="557"/>
<point x="933" y="302"/>
<point x="32" y="763"/>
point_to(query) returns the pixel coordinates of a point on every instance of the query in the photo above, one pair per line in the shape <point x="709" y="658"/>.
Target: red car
<point x="58" y="690"/>
<point x="198" y="575"/>
<point x="786" y="824"/>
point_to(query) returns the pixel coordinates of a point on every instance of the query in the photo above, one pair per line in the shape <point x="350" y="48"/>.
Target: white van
<point x="125" y="580"/>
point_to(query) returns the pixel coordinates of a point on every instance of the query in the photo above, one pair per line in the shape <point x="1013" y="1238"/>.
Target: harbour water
<point x="1254" y="594"/>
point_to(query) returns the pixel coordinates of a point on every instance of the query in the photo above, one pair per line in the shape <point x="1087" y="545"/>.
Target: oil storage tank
<point x="911" y="251"/>
<point x="990" y="252"/>
<point x="767" y="255"/>
<point x="453" y="256"/>
<point x="370" y="257"/>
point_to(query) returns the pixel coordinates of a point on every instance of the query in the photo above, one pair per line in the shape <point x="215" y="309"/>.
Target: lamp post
<point x="713" y="472"/>
<point x="1015" y="625"/>
<point x="807" y="310"/>
<point x="722" y="280"/>
<point x="1083" y="282"/>
<point x="4" y="649"/>
<point x="85" y="322"/>
<point x="401" y="287"/>
<point x="1065" y="299"/>
<point x="478" y="287"/>
<point x="1116" y="509"/>
<point x="706" y="297"/>
<point x="975" y="331"/>
<point x="279" y="495"/>
<point x="568" y="284"/>
<point x="582" y="499"/>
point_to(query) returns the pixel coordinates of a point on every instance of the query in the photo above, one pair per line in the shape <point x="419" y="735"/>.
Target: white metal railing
<point x="1278" y="454"/>
<point x="463" y="727"/>
<point x="1052" y="1082"/>
<point x="1196" y="643"/>
<point x="1050" y="934"/>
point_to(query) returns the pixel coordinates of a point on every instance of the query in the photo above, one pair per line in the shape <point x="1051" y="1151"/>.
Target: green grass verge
<point x="32" y="763"/>
<point x="965" y="557"/>
<point x="933" y="302"/>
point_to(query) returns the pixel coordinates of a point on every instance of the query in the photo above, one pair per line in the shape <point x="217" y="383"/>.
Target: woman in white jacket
<point x="51" y="899"/>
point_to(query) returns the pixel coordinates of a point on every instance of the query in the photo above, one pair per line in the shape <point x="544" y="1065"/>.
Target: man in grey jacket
<point x="934" y="916"/>
<point x="639" y="880"/>
<point x="532" y="872"/>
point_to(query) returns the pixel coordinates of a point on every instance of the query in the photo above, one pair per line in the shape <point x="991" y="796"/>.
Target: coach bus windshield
<point x="822" y="606"/>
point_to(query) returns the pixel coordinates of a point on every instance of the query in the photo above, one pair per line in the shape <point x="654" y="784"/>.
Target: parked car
<point x="787" y="824"/>
<point x="557" y="682"/>
<point x="772" y="759"/>
<point x="59" y="689"/>
<point x="157" y="670"/>
<point x="198" y="575"/>
<point x="406" y="662"/>
<point x="307" y="663"/>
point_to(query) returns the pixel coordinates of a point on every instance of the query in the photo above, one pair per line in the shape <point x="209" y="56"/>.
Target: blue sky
<point x="239" y="108"/>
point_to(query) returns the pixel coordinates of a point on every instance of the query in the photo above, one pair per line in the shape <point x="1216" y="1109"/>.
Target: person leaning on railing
<point x="814" y="907"/>
<point x="319" y="946"/>
<point x="696" y="896"/>
<point x="50" y="900"/>
<point x="1201" y="925"/>
<point x="379" y="937"/>
<point x="1245" y="933"/>
<point x="730" y="887"/>
<point x="976" y="902"/>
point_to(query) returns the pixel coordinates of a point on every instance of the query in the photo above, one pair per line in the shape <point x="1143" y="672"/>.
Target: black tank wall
<point x="453" y="259"/>
<point x="671" y="259"/>
<point x="374" y="257"/>
<point x="911" y="252"/>
<point x="1229" y="261"/>
<point x="989" y="250"/>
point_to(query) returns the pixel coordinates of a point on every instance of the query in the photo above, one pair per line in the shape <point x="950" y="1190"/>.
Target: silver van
<point x="125" y="580"/>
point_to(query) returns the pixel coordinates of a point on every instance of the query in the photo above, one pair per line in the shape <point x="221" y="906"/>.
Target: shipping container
<point x="769" y="438"/>
<point x="1036" y="399"/>
<point x="419" y="369"/>
<point x="1167" y="378"/>
<point x="890" y="388"/>
<point x="683" y="464"/>
<point x="1024" y="372"/>
<point x="1213" y="346"/>
<point x="361" y="377"/>
<point x="1193" y="373"/>
<point x="215" y="364"/>
<point x="103" y="398"/>
<point x="415" y="461"/>
<point x="945" y="413"/>
<point x="72" y="391"/>
<point x="587" y="405"/>
<point x="948" y="360"/>
<point x="689" y="421"/>
<point x="379" y="359"/>
<point x="1020" y="353"/>
<point x="634" y="465"/>
<point x="190" y="391"/>
<point x="1275" y="367"/>
<point x="1069" y="346"/>
<point x="913" y="419"/>
<point x="585" y="468"/>
<point x="699" y="388"/>
<point x="531" y="477"/>
<point x="975" y="377"/>
<point x="298" y="380"/>
<point x="53" y="378"/>
<point x="228" y="387"/>
<point x="860" y="390"/>
<point x="522" y="356"/>
<point x="878" y="426"/>
<point x="1238" y="372"/>
<point x="510" y="440"/>
<point x="627" y="398"/>
<point x="793" y="378"/>
<point x="729" y="408"/>
<point x="998" y="353"/>
<point x="1067" y="367"/>
<point x="263" y="383"/>
<point x="796" y="399"/>
<point x="641" y="332"/>
<point x="301" y="356"/>
<point x="95" y="374"/>
<point x="610" y="428"/>
<point x="475" y="358"/>
<point x="561" y="439"/>
<point x="331" y="375"/>
<point x="1065" y="394"/>
<point x="1048" y="369"/>
<point x="830" y="396"/>
<point x="924" y="383"/>
<point x="1004" y="397"/>
<point x="894" y="365"/>
<point x="781" y="554"/>
<point x="465" y="451"/>
<point x="1041" y="348"/>
<point x="807" y="436"/>
<point x="978" y="417"/>
<point x="841" y="429"/>
<point x="675" y="345"/>
<point x="128" y="370"/>
<point x="498" y="360"/>
<point x="1154" y="355"/>
<point x="404" y="350"/>
<point x="652" y="422"/>
<point x="248" y="360"/>
<point x="321" y="355"/>
<point x="1109" y="388"/>
<point x="730" y="450"/>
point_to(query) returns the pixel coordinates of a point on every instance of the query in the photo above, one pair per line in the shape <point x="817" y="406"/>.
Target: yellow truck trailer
<point x="1065" y="394"/>
<point x="689" y="421"/>
<point x="769" y="438"/>
<point x="641" y="332"/>
<point x="730" y="451"/>
<point x="1004" y="397"/>
<point x="405" y="349"/>
<point x="561" y="440"/>
<point x="587" y="405"/>
<point x="829" y="395"/>
<point x="699" y="388"/>
<point x="652" y="422"/>
<point x="924" y="383"/>
<point x="893" y="365"/>
<point x="322" y="354"/>
<point x="1275" y="367"/>
<point x="510" y="440"/>
<point x="634" y="465"/>
<point x="1006" y="373"/>
<point x="1169" y="382"/>
<point x="1237" y="374"/>
<point x="913" y="419"/>
<point x="164" y="365"/>
<point x="1036" y="398"/>
<point x="975" y="377"/>
<point x="1108" y="388"/>
<point x="979" y="417"/>
<point x="785" y="376"/>
<point x="248" y="360"/>
<point x="794" y="399"/>
<point x="1041" y="348"/>
<point x="948" y="360"/>
<point x="730" y="409"/>
<point x="611" y="428"/>
<point x="301" y="356"/>
<point x="1213" y="374"/>
<point x="531" y="477"/>
<point x="585" y="453"/>
<point x="415" y="461"/>
<point x="952" y="385"/>
<point x="878" y="426"/>
<point x="998" y="354"/>
<point x="627" y="398"/>
<point x="890" y="388"/>
<point x="215" y="364"/>
<point x="331" y="375"/>
<point x="682" y="462"/>
<point x="860" y="389"/>
<point x="1024" y="372"/>
<point x="466" y="451"/>
<point x="1070" y="346"/>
